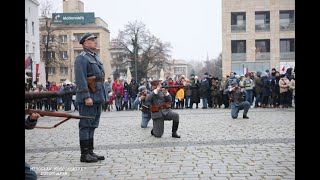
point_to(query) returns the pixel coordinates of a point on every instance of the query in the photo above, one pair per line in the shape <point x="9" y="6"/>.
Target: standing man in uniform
<point x="89" y="76"/>
<point x="160" y="101"/>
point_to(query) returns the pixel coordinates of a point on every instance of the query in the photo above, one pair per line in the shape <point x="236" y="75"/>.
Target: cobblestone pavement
<point x="212" y="146"/>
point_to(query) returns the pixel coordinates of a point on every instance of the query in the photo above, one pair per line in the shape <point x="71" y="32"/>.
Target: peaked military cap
<point x="86" y="36"/>
<point x="155" y="82"/>
<point x="142" y="88"/>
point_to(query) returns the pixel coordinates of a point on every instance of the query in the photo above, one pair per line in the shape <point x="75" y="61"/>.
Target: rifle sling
<point x="54" y="126"/>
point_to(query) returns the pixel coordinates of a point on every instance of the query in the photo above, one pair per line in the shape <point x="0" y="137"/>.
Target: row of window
<point x="262" y="49"/>
<point x="179" y="70"/>
<point x="52" y="55"/>
<point x="239" y="68"/>
<point x="52" y="70"/>
<point x="62" y="54"/>
<point x="26" y="26"/>
<point x="62" y="38"/>
<point x="51" y="39"/>
<point x="262" y="21"/>
<point x="262" y="45"/>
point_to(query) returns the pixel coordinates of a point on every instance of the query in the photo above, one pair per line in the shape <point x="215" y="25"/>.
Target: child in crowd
<point x="125" y="101"/>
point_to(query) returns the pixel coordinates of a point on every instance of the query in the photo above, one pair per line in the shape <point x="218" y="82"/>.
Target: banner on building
<point x="285" y="65"/>
<point x="27" y="62"/>
<point x="37" y="70"/>
<point x="73" y="18"/>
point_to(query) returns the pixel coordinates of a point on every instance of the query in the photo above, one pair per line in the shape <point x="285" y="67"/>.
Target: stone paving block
<point x="237" y="178"/>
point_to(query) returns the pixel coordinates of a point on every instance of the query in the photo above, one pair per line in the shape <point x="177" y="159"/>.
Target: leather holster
<point x="91" y="83"/>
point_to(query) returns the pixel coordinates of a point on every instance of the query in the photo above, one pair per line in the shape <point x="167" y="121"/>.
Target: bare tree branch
<point x="141" y="47"/>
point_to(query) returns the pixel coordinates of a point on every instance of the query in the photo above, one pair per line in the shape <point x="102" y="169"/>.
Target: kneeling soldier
<point x="144" y="106"/>
<point x="160" y="101"/>
<point x="236" y="94"/>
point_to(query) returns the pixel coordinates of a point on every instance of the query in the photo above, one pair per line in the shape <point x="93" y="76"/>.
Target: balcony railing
<point x="287" y="26"/>
<point x="287" y="55"/>
<point x="238" y="28"/>
<point x="262" y="56"/>
<point x="262" y="27"/>
<point x="238" y="56"/>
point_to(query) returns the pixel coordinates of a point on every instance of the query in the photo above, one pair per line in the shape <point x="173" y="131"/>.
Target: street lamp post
<point x="70" y="66"/>
<point x="135" y="63"/>
<point x="72" y="38"/>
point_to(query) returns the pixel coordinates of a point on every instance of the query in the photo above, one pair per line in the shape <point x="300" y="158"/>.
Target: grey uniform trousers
<point x="87" y="126"/>
<point x="158" y="124"/>
<point x="235" y="107"/>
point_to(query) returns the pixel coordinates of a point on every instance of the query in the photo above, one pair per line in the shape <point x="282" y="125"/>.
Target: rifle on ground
<point x="55" y="114"/>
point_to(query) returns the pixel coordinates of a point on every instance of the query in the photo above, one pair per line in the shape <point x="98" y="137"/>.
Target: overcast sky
<point x="193" y="27"/>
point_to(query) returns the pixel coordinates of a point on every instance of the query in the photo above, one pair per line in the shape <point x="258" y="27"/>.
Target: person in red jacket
<point x="172" y="92"/>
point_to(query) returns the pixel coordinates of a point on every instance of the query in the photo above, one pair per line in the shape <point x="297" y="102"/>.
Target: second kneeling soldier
<point x="143" y="106"/>
<point x="160" y="101"/>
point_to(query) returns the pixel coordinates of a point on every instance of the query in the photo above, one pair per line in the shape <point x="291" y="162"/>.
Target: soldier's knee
<point x="157" y="135"/>
<point x="234" y="115"/>
<point x="176" y="117"/>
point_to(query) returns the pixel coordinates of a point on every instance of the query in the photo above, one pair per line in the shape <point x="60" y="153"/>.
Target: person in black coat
<point x="195" y="95"/>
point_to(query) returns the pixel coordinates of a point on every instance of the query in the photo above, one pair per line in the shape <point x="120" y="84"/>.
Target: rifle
<point x="55" y="114"/>
<point x="174" y="86"/>
<point x="144" y="108"/>
<point x="49" y="94"/>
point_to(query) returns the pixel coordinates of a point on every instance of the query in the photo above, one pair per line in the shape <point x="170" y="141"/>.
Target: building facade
<point x="34" y="67"/>
<point x="179" y="67"/>
<point x="118" y="55"/>
<point x="257" y="35"/>
<point x="67" y="29"/>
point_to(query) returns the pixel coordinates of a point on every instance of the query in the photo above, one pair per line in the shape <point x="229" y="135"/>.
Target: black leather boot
<point x="245" y="116"/>
<point x="174" y="129"/>
<point x="91" y="151"/>
<point x="85" y="155"/>
<point x="152" y="132"/>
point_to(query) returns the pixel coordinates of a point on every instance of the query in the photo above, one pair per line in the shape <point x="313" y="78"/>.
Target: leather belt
<point x="167" y="105"/>
<point x="99" y="79"/>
